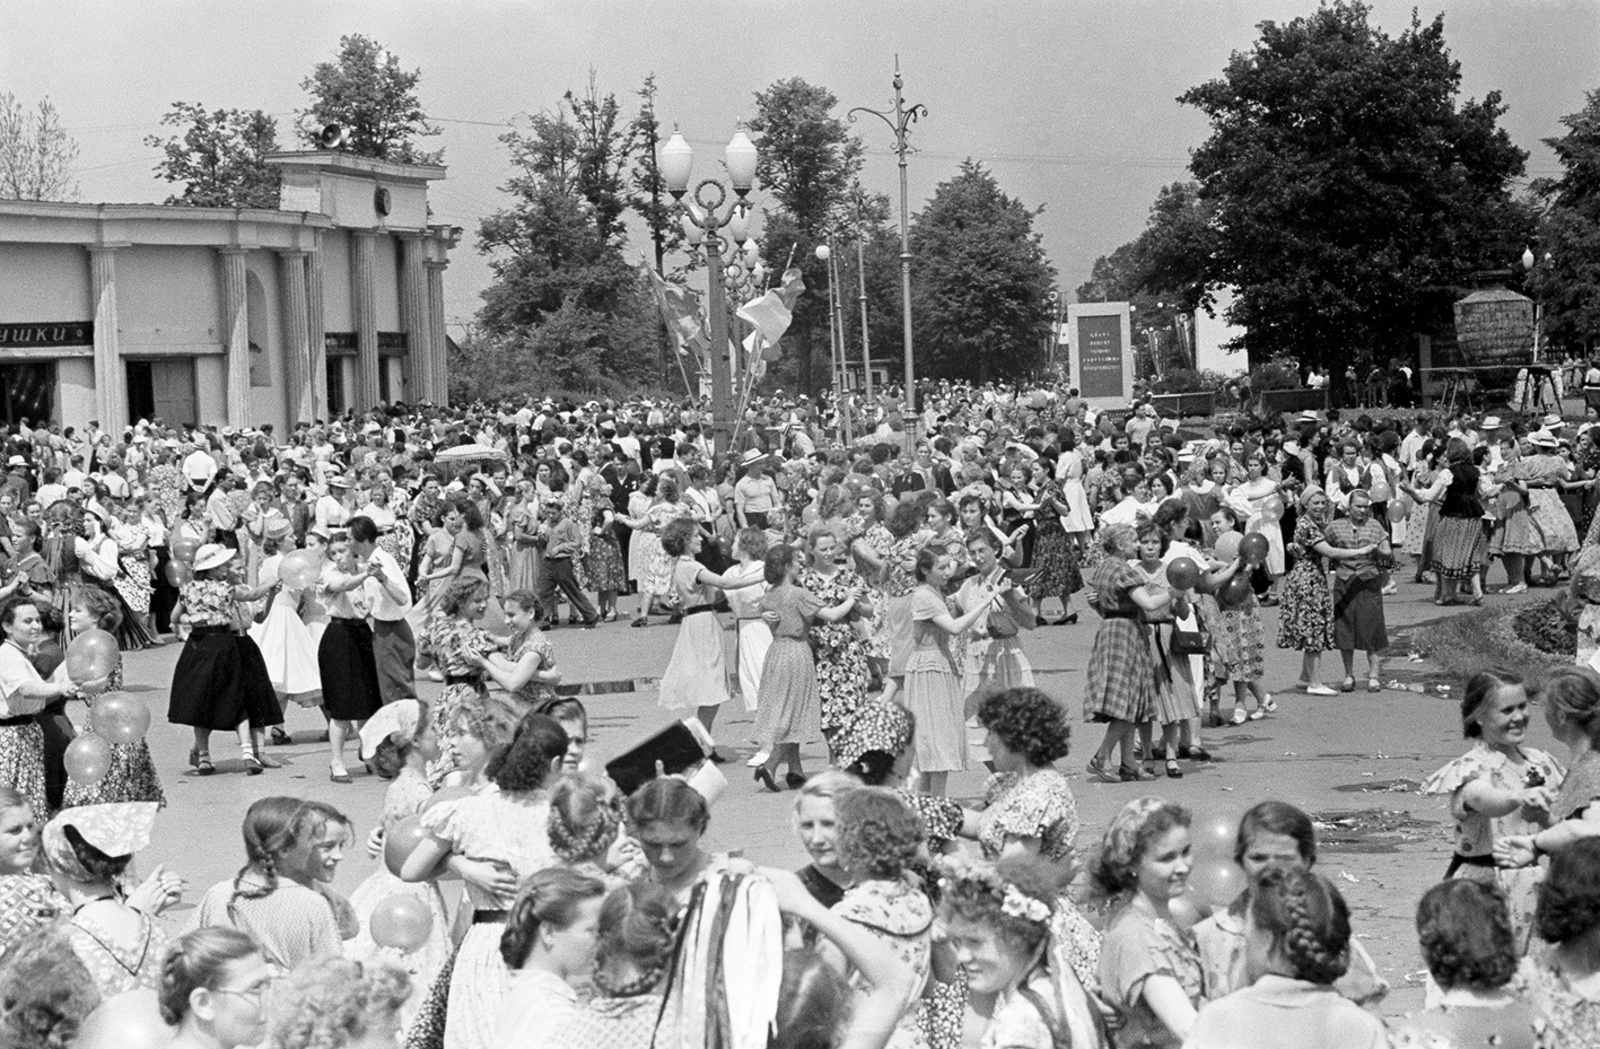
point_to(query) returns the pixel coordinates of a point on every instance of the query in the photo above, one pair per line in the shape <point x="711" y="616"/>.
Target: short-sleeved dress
<point x="21" y="739"/>
<point x="1305" y="622"/>
<point x="499" y="827"/>
<point x="290" y="922"/>
<point x="405" y="797"/>
<point x="788" y="709"/>
<point x="697" y="674"/>
<point x="933" y="691"/>
<point x="1136" y="946"/>
<point x="1122" y="674"/>
<point x="1040" y="806"/>
<point x="221" y="679"/>
<point x="841" y="654"/>
<point x="117" y="966"/>
<point x="537" y="642"/>
<point x="1563" y="1018"/>
<point x="1475" y="833"/>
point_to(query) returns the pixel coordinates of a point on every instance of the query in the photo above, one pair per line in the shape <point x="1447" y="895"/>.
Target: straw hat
<point x="212" y="555"/>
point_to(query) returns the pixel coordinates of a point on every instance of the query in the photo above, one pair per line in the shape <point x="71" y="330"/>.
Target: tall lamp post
<point x="900" y="120"/>
<point x="676" y="161"/>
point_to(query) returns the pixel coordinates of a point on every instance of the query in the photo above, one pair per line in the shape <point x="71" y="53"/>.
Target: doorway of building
<point x="27" y="391"/>
<point x="163" y="389"/>
<point x="392" y="379"/>
<point x="336" y="395"/>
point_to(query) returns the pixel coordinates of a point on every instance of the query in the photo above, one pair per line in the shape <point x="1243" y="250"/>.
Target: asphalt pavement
<point x="1354" y="761"/>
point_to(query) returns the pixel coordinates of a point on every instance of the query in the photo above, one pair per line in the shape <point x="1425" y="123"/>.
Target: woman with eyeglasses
<point x="213" y="985"/>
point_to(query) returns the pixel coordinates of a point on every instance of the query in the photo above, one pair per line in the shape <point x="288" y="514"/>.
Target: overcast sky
<point x="1071" y="102"/>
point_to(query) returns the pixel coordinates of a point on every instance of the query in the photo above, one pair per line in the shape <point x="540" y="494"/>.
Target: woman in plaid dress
<point x="1122" y="671"/>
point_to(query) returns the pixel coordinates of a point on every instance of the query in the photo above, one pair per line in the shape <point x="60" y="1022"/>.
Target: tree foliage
<point x="1351" y="189"/>
<point x="219" y="157"/>
<point x="36" y="154"/>
<point x="365" y="90"/>
<point x="564" y="297"/>
<point x="1566" y="279"/>
<point x="809" y="163"/>
<point x="981" y="284"/>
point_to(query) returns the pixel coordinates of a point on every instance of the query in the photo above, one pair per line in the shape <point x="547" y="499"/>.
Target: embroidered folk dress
<point x="1476" y="833"/>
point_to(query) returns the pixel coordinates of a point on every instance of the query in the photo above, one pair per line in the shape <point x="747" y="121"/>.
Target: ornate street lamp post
<point x="900" y="120"/>
<point x="676" y="161"/>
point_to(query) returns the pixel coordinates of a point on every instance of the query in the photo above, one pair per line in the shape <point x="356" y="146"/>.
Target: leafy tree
<point x="809" y="162"/>
<point x="982" y="283"/>
<point x="366" y="91"/>
<point x="564" y="293"/>
<point x="1566" y="280"/>
<point x="219" y="157"/>
<point x="1351" y="188"/>
<point x="36" y="155"/>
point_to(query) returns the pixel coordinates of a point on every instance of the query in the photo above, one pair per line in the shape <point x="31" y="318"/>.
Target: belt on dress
<point x="16" y="722"/>
<point x="490" y="917"/>
<point x="462" y="679"/>
<point x="695" y="609"/>
<point x="1458" y="861"/>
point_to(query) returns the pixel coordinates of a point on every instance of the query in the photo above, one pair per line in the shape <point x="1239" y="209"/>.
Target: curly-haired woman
<point x="333" y="1003"/>
<point x="1464" y="928"/>
<point x="1028" y="806"/>
<point x="460" y="646"/>
<point x="997" y="922"/>
<point x="1564" y="986"/>
<point x="878" y="838"/>
<point x="1149" y="965"/>
<point x="1299" y="944"/>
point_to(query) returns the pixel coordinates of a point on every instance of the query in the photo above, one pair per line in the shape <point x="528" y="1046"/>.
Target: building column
<point x="437" y="356"/>
<point x="296" y="337"/>
<point x="414" y="316"/>
<point x="236" y="335"/>
<point x="316" y="335"/>
<point x="110" y="374"/>
<point x="364" y="299"/>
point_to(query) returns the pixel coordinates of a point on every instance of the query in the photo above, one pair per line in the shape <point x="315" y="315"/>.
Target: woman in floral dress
<point x="1497" y="789"/>
<point x="1054" y="552"/>
<point x="602" y="561"/>
<point x="1305" y="621"/>
<point x="133" y="582"/>
<point x="457" y="639"/>
<point x="879" y="838"/>
<point x="1029" y="808"/>
<point x="841" y="654"/>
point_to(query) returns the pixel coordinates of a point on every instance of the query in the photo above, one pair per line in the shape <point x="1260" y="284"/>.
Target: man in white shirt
<point x="1411" y="444"/>
<point x="394" y="647"/>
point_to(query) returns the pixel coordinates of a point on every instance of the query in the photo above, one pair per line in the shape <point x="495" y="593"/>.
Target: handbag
<point x="1190" y="642"/>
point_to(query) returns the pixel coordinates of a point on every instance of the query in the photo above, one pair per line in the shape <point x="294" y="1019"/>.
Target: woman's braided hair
<point x="585" y="812"/>
<point x="272" y="826"/>
<point x="1308" y="922"/>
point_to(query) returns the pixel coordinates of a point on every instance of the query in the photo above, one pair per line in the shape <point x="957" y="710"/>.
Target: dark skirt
<point x="220" y="681"/>
<point x="1358" y="615"/>
<point x="350" y="690"/>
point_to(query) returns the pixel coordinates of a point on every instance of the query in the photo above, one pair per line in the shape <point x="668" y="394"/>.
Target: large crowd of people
<point x="879" y="592"/>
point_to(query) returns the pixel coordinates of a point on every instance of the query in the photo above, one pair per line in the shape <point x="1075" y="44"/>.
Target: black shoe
<point x="716" y="759"/>
<point x="280" y="738"/>
<point x="1071" y="619"/>
<point x="794" y="780"/>
<point x="764" y="777"/>
<point x="1173" y="771"/>
<point x="591" y="624"/>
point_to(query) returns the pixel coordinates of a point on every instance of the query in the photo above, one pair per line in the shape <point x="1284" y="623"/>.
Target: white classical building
<point x="225" y="316"/>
